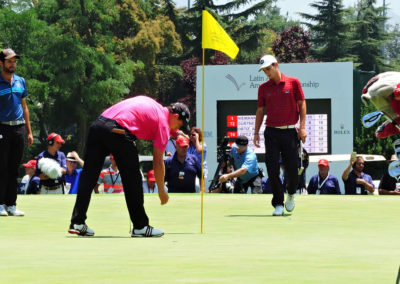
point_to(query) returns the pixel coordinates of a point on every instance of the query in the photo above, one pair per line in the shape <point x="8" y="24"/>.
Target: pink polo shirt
<point x="143" y="117"/>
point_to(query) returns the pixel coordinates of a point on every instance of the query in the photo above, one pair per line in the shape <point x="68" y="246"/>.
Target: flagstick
<point x="202" y="186"/>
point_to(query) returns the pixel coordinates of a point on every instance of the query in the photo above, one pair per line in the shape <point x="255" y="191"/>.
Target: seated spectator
<point x="150" y="186"/>
<point x="73" y="174"/>
<point x="356" y="181"/>
<point x="49" y="185"/>
<point x="23" y="184"/>
<point x="32" y="184"/>
<point x="196" y="148"/>
<point x="182" y="168"/>
<point x="110" y="178"/>
<point x="323" y="182"/>
<point x="389" y="185"/>
<point x="246" y="168"/>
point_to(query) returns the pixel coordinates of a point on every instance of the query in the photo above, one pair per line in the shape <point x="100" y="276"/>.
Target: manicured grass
<point x="327" y="239"/>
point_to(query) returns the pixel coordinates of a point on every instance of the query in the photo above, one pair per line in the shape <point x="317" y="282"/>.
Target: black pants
<point x="284" y="143"/>
<point x="100" y="143"/>
<point x="12" y="140"/>
<point x="254" y="183"/>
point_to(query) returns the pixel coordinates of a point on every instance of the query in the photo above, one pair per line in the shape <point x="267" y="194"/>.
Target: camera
<point x="224" y="159"/>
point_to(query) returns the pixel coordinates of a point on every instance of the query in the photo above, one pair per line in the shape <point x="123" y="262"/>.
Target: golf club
<point x="394" y="169"/>
<point x="371" y="118"/>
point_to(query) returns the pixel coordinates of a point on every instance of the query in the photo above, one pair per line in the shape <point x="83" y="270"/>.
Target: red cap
<point x="323" y="162"/>
<point x="182" y="141"/>
<point x="150" y="176"/>
<point x="56" y="137"/>
<point x="111" y="156"/>
<point x="30" y="164"/>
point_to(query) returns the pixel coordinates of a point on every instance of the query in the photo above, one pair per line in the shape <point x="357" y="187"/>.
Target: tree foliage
<point x="329" y="31"/>
<point x="292" y="45"/>
<point x="369" y="36"/>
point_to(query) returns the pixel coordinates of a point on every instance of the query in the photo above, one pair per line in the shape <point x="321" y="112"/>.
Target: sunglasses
<point x="359" y="163"/>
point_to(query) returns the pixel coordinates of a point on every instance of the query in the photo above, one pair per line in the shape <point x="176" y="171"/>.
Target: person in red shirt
<point x="283" y="99"/>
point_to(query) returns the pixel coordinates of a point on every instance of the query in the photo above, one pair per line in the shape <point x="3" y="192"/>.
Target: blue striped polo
<point x="10" y="98"/>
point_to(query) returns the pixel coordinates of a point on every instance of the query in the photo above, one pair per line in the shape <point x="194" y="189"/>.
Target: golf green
<point x="327" y="239"/>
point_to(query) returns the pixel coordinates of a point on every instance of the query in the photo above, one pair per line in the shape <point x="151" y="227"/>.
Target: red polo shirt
<point x="280" y="100"/>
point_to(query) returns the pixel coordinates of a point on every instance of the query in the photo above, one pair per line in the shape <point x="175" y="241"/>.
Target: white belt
<point x="13" y="122"/>
<point x="284" y="127"/>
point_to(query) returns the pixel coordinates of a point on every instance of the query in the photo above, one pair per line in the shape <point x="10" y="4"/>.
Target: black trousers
<point x="100" y="143"/>
<point x="12" y="141"/>
<point x="281" y="143"/>
<point x="254" y="183"/>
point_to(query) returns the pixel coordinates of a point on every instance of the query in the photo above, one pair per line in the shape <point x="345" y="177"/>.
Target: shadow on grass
<point x="99" y="237"/>
<point x="285" y="215"/>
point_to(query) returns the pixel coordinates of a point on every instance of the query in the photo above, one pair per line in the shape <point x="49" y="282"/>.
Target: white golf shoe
<point x="3" y="211"/>
<point x="290" y="203"/>
<point x="147" y="232"/>
<point x="13" y="211"/>
<point x="278" y="211"/>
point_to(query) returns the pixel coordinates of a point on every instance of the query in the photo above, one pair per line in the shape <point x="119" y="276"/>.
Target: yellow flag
<point x="215" y="37"/>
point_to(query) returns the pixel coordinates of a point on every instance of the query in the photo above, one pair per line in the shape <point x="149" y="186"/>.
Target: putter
<point x="394" y="169"/>
<point x="371" y="118"/>
<point x="301" y="159"/>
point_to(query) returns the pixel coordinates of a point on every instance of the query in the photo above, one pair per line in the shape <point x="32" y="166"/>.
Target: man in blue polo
<point x="323" y="182"/>
<point x="14" y="121"/>
<point x="182" y="168"/>
<point x="246" y="168"/>
<point x="47" y="184"/>
<point x="73" y="174"/>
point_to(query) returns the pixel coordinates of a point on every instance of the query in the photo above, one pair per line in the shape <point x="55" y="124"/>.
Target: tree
<point x="329" y="31"/>
<point x="369" y="36"/>
<point x="292" y="45"/>
<point x="247" y="28"/>
<point x="392" y="48"/>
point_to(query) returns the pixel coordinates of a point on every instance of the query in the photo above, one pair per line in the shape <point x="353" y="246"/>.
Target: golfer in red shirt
<point x="283" y="99"/>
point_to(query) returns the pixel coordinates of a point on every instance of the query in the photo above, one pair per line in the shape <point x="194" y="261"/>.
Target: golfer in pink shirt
<point x="116" y="131"/>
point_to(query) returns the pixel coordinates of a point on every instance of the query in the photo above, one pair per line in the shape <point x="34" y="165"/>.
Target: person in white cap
<point x="14" y="122"/>
<point x="283" y="99"/>
<point x="73" y="174"/>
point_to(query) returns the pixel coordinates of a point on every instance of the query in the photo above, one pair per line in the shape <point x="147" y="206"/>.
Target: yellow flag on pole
<point x="215" y="37"/>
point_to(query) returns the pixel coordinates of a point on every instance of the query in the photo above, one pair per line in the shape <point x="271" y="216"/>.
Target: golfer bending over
<point x="115" y="132"/>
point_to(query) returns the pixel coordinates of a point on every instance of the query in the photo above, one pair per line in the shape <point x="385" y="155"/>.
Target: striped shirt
<point x="10" y="98"/>
<point x="111" y="180"/>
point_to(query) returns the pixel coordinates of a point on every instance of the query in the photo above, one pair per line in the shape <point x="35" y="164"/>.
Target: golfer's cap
<point x="56" y="137"/>
<point x="150" y="176"/>
<point x="8" y="53"/>
<point x="70" y="157"/>
<point x="182" y="141"/>
<point x="30" y="164"/>
<point x="266" y="61"/>
<point x="240" y="142"/>
<point x="323" y="162"/>
<point x="184" y="114"/>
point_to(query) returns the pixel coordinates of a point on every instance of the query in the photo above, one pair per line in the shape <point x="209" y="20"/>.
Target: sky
<point x="295" y="6"/>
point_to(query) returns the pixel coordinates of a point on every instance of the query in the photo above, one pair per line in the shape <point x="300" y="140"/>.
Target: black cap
<point x="240" y="142"/>
<point x="7" y="54"/>
<point x="184" y="114"/>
